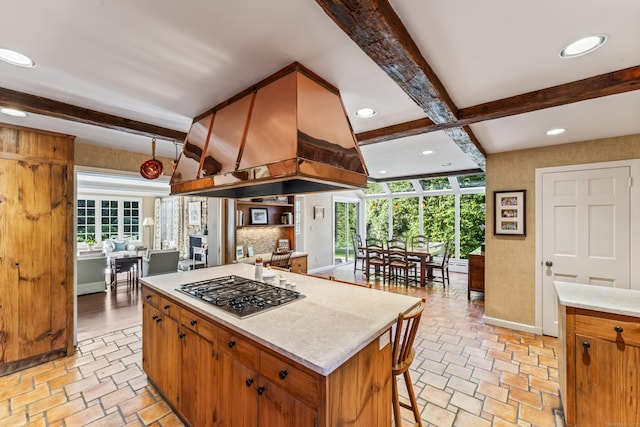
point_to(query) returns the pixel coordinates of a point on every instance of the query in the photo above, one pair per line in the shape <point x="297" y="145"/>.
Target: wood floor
<point x="465" y="373"/>
<point x="110" y="311"/>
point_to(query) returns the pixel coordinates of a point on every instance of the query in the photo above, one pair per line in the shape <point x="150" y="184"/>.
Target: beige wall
<point x="109" y="158"/>
<point x="510" y="269"/>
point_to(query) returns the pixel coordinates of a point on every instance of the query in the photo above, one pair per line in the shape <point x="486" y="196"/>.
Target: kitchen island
<point x="599" y="350"/>
<point x="323" y="360"/>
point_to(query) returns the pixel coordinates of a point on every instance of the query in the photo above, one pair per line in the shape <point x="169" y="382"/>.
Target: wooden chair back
<point x="420" y="242"/>
<point x="405" y="333"/>
<point x="281" y="260"/>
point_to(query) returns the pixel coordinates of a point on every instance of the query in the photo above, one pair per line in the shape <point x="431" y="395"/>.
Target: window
<point x="86" y="229"/>
<point x="405" y="216"/>
<point x="472" y="222"/>
<point x="439" y="218"/>
<point x="374" y="188"/>
<point x="444" y="208"/>
<point x="435" y="184"/>
<point x="378" y="218"/>
<point x="102" y="219"/>
<point x="401" y="186"/>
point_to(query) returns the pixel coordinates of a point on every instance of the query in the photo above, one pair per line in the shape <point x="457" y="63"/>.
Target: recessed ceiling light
<point x="12" y="112"/>
<point x="556" y="131"/>
<point x="382" y="172"/>
<point x="365" y="113"/>
<point x="427" y="152"/>
<point x="583" y="46"/>
<point x="16" y="58"/>
<point x="445" y="164"/>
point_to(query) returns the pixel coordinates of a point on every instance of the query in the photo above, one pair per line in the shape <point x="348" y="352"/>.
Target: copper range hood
<point x="288" y="134"/>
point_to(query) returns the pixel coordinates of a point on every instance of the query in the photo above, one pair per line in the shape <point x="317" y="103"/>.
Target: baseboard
<point x="512" y="325"/>
<point x="91" y="288"/>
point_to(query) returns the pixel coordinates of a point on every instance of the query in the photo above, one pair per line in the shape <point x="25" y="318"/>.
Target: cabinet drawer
<point x="169" y="308"/>
<point x="299" y="264"/>
<point x="198" y="324"/>
<point x="297" y="382"/>
<point x="239" y="348"/>
<point x="610" y="329"/>
<point x="150" y="297"/>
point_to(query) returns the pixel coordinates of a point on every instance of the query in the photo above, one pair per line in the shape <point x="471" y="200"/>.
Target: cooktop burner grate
<point x="240" y="296"/>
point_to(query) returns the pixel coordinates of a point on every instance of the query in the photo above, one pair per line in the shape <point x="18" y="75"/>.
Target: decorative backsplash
<point x="261" y="239"/>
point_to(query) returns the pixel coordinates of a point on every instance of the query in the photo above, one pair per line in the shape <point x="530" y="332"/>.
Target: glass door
<point x="345" y="226"/>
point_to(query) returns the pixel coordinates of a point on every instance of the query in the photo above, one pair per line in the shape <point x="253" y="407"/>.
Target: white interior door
<point x="585" y="232"/>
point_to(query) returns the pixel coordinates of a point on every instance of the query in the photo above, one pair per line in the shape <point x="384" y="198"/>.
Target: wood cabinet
<point x="299" y="264"/>
<point x="275" y="219"/>
<point x="475" y="276"/>
<point x="230" y="380"/>
<point x="36" y="247"/>
<point x="599" y="369"/>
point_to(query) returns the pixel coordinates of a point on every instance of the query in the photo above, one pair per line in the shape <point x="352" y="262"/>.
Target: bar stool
<point x="403" y="353"/>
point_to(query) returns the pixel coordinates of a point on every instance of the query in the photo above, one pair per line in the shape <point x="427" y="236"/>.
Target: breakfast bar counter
<point x="329" y="351"/>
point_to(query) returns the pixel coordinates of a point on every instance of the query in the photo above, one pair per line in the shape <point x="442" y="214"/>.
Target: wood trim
<point x="375" y="27"/>
<point x="613" y="83"/>
<point x="60" y="110"/>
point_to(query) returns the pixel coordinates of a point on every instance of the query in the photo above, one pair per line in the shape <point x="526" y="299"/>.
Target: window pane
<point x="405" y="217"/>
<point x="378" y="218"/>
<point x="82" y="203"/>
<point x="435" y="184"/>
<point x="472" y="222"/>
<point x="470" y="181"/>
<point x="439" y="218"/>
<point x="400" y="186"/>
<point x="373" y="188"/>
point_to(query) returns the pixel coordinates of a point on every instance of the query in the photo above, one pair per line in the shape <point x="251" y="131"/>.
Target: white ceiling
<point x="164" y="62"/>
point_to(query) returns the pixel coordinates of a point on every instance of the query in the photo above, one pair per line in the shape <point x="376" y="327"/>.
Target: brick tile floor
<point x="465" y="373"/>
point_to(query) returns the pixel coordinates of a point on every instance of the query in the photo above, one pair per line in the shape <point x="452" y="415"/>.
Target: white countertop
<point x="599" y="298"/>
<point x="266" y="257"/>
<point x="321" y="331"/>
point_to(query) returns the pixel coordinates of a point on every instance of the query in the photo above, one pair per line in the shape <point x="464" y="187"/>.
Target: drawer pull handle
<point x="283" y="374"/>
<point x="618" y="329"/>
<point x="249" y="382"/>
<point x="181" y="336"/>
<point x="148" y="297"/>
<point x="166" y="307"/>
<point x="586" y="344"/>
<point x="154" y="317"/>
<point x="193" y="322"/>
<point x="158" y="320"/>
<point x="232" y="344"/>
<point x="261" y="390"/>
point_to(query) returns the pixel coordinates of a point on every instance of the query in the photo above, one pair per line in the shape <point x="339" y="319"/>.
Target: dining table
<point x="425" y="254"/>
<point x="130" y="264"/>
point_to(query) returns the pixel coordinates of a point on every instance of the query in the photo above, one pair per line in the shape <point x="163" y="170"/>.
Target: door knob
<point x="548" y="264"/>
<point x="586" y="344"/>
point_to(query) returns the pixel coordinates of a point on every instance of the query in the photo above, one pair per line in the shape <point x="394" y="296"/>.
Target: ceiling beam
<point x="60" y="110"/>
<point x="613" y="83"/>
<point x="376" y="28"/>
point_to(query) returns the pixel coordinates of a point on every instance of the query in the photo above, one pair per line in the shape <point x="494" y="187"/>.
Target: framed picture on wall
<point x="259" y="216"/>
<point x="509" y="213"/>
<point x="194" y="213"/>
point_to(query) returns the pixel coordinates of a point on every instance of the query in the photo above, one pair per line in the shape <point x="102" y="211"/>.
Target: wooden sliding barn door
<point x="36" y="259"/>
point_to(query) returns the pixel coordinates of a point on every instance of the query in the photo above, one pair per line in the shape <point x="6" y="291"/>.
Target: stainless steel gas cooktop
<point x="240" y="296"/>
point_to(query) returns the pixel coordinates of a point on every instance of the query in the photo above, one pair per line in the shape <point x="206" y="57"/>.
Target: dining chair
<point x="403" y="353"/>
<point x="443" y="265"/>
<point x="280" y="260"/>
<point x="376" y="258"/>
<point x="359" y="253"/>
<point x="397" y="260"/>
<point x="419" y="242"/>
